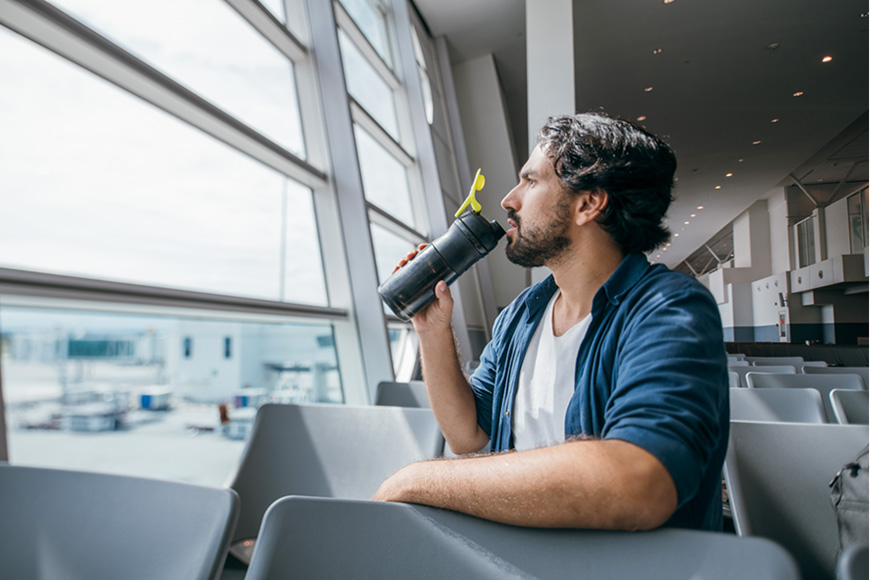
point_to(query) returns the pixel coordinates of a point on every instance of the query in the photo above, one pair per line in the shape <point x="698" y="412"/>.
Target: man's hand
<point x="437" y="314"/>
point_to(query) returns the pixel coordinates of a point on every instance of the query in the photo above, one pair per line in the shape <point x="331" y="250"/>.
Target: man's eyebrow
<point x="526" y="173"/>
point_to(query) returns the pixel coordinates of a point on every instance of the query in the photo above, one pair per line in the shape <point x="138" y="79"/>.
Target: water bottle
<point x="411" y="287"/>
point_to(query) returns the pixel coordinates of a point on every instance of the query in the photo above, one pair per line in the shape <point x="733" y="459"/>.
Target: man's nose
<point x="510" y="200"/>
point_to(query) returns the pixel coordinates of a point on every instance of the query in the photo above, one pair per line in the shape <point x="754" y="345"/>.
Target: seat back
<point x="777" y="476"/>
<point x="326" y="450"/>
<point x="860" y="371"/>
<point x="850" y="407"/>
<point x="759" y="361"/>
<point x="71" y="524"/>
<point x="324" y="538"/>
<point x="410" y="394"/>
<point x="823" y="385"/>
<point x="733" y="379"/>
<point x="742" y="371"/>
<point x="793" y="405"/>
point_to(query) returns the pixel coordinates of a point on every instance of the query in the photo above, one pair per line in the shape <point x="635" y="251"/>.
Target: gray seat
<point x="760" y="361"/>
<point x="320" y="538"/>
<point x="743" y="371"/>
<point x="777" y="476"/>
<point x="72" y="524"/>
<point x="792" y="405"/>
<point x="860" y="371"/>
<point x="395" y="394"/>
<point x="325" y="450"/>
<point x="733" y="379"/>
<point x="850" y="407"/>
<point x="738" y="363"/>
<point x="824" y="385"/>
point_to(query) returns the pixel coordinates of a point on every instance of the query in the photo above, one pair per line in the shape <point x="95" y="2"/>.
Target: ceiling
<point x="725" y="71"/>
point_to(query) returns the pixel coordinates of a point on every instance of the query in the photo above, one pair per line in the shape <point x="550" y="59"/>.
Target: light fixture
<point x="668" y="244"/>
<point x="756" y="142"/>
<point x="798" y="94"/>
<point x="667" y="1"/>
<point x="828" y="59"/>
<point x="642" y="118"/>
<point x="773" y="46"/>
<point x="693" y="215"/>
<point x="657" y="51"/>
<point x="739" y="161"/>
<point x="676" y="235"/>
<point x="685" y="223"/>
<point x="648" y="90"/>
<point x="700" y="207"/>
<point x="774" y="120"/>
<point x="718" y="187"/>
<point x="729" y="175"/>
<point x="658" y="255"/>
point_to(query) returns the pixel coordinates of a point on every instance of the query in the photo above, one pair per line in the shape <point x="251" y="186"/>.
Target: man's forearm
<point x="579" y="484"/>
<point x="449" y="392"/>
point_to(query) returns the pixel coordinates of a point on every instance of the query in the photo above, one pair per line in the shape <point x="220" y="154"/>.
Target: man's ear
<point x="591" y="205"/>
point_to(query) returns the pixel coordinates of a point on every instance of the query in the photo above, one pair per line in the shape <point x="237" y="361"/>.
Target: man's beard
<point x="542" y="244"/>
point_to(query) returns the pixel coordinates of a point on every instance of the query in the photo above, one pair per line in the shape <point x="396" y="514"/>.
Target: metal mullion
<point x="373" y="128"/>
<point x="58" y="32"/>
<point x="271" y="28"/>
<point x="46" y="285"/>
<point x="346" y="23"/>
<point x="388" y="222"/>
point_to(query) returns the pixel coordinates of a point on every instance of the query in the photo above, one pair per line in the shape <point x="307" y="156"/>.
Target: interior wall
<point x="490" y="148"/>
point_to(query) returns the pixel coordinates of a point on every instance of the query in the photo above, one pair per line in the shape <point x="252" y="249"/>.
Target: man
<point x="607" y="381"/>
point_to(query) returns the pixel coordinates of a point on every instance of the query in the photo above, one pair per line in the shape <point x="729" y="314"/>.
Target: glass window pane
<point x="385" y="179"/>
<point x="389" y="249"/>
<point x="209" y="48"/>
<point x="368" y="88"/>
<point x="114" y="393"/>
<point x="99" y="184"/>
<point x="371" y="20"/>
<point x="276" y="7"/>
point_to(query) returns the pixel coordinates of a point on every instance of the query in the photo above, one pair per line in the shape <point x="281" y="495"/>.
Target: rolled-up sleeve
<point x="670" y="384"/>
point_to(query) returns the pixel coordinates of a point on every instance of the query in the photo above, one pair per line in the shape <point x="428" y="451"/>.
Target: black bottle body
<point x="411" y="287"/>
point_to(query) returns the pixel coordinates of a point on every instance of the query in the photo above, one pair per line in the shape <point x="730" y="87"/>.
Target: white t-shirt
<point x="546" y="383"/>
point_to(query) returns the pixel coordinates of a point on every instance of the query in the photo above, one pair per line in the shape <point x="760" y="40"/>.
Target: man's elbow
<point x="652" y="502"/>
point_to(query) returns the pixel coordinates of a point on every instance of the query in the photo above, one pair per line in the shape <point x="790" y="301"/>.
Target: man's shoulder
<point x="664" y="283"/>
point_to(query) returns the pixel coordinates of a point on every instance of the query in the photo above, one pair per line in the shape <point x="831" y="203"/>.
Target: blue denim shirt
<point x="651" y="370"/>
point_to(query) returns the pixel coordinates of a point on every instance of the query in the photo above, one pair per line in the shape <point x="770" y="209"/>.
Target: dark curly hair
<point x="594" y="151"/>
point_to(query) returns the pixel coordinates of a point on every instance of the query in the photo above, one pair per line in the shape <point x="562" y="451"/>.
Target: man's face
<point x="539" y="212"/>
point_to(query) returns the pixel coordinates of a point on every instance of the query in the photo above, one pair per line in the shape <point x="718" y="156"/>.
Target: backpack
<point x="849" y="491"/>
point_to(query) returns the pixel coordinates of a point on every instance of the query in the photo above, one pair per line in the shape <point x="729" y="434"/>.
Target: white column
<point x="549" y="61"/>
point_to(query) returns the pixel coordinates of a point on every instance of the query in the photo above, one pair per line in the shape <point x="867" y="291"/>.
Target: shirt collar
<point x="629" y="271"/>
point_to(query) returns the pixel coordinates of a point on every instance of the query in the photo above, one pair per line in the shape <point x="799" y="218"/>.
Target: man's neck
<point x="579" y="276"/>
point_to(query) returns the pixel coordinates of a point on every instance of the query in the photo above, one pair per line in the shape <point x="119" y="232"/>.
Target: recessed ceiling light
<point x="658" y="255"/>
<point x="798" y="94"/>
<point x="668" y="244"/>
<point x="828" y="59"/>
<point x="657" y="51"/>
<point x="774" y="120"/>
<point x="729" y="175"/>
<point x="642" y="118"/>
<point x="756" y="142"/>
<point x="648" y="90"/>
<point x="693" y="215"/>
<point x="700" y="207"/>
<point x="667" y="1"/>
<point x="773" y="46"/>
<point x="676" y="235"/>
<point x="718" y="187"/>
<point x="686" y="223"/>
<point x="739" y="161"/>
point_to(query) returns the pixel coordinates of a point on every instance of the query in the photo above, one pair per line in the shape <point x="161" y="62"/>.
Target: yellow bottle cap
<point x="479" y="180"/>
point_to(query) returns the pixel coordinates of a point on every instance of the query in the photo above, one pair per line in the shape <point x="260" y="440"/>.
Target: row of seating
<point x="340" y="453"/>
<point x="833" y="354"/>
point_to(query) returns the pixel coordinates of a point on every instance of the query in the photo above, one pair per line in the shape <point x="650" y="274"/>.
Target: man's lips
<point x="513" y="226"/>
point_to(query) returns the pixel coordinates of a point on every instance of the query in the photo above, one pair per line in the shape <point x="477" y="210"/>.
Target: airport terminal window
<point x="385" y="179"/>
<point x="423" y="73"/>
<point x="94" y="176"/>
<point x="858" y="221"/>
<point x="389" y="248"/>
<point x="806" y="242"/>
<point x="276" y="7"/>
<point x="371" y="18"/>
<point x="367" y="87"/>
<point x="209" y="48"/>
<point x="103" y="392"/>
